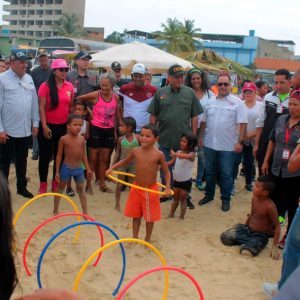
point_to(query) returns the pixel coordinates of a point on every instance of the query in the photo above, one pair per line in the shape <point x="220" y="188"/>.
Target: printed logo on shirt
<point x="130" y="94"/>
<point x="163" y="96"/>
<point x="149" y="95"/>
<point x="69" y="94"/>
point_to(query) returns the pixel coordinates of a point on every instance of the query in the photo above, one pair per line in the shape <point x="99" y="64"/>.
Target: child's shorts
<point x="66" y="173"/>
<point x="184" y="185"/>
<point x="143" y="204"/>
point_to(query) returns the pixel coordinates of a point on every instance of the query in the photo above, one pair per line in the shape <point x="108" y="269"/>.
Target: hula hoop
<point x="44" y="195"/>
<point x="127" y="240"/>
<point x="138" y="277"/>
<point x="136" y="186"/>
<point x="30" y="237"/>
<point x="56" y="235"/>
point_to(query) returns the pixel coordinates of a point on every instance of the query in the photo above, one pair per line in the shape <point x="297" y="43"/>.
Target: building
<point x="95" y="33"/>
<point x="242" y="49"/>
<point x="35" y="18"/>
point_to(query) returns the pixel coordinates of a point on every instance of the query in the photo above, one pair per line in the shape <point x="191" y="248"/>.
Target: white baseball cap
<point x="138" y="69"/>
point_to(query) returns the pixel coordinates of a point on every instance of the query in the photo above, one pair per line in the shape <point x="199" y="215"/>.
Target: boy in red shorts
<point x="147" y="161"/>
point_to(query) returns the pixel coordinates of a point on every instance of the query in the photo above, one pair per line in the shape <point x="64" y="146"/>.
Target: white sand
<point x="192" y="244"/>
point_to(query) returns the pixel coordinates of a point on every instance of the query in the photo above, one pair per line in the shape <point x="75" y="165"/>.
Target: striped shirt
<point x="19" y="109"/>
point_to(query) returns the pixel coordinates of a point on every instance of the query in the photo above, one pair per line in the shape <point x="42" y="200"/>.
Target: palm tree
<point x="191" y="33"/>
<point x="172" y="36"/>
<point x="68" y="26"/>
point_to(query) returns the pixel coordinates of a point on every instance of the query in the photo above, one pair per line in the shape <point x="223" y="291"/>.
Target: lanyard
<point x="288" y="133"/>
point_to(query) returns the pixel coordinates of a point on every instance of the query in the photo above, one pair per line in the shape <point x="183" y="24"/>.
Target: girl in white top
<point x="182" y="174"/>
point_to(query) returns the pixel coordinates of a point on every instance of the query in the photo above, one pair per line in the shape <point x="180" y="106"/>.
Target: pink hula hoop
<point x="164" y="268"/>
<point x="50" y="220"/>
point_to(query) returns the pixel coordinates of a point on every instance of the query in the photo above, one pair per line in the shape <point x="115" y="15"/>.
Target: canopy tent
<point x="127" y="55"/>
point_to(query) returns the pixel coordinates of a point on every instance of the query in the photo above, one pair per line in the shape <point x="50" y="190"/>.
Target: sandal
<point x="105" y="189"/>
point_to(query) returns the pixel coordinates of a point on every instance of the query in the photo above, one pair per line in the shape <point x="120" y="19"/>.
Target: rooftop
<point x="275" y="64"/>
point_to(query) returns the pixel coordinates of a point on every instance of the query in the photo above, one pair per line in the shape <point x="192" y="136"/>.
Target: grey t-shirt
<point x="279" y="136"/>
<point x="39" y="76"/>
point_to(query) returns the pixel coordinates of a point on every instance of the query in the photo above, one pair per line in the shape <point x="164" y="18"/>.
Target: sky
<point x="273" y="19"/>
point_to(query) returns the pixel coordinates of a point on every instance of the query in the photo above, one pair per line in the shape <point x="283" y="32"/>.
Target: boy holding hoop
<point x="147" y="162"/>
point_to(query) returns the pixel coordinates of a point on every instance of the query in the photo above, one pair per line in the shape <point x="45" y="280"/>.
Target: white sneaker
<point x="270" y="289"/>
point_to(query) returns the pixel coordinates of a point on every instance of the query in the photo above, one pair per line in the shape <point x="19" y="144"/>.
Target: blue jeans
<point x="166" y="152"/>
<point x="219" y="164"/>
<point x="291" y="254"/>
<point x="200" y="166"/>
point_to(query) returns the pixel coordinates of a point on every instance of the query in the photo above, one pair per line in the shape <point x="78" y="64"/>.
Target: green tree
<point x="179" y="37"/>
<point x="115" y="38"/>
<point x="172" y="36"/>
<point x="191" y="34"/>
<point x="68" y="26"/>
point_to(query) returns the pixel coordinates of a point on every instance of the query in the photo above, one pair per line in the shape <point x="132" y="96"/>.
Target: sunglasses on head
<point x="226" y="84"/>
<point x="62" y="69"/>
<point x="295" y="94"/>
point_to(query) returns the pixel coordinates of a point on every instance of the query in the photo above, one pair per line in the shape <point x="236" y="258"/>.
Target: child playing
<point x="72" y="147"/>
<point x="125" y="144"/>
<point x="261" y="224"/>
<point x="147" y="161"/>
<point x="182" y="174"/>
<point x="79" y="108"/>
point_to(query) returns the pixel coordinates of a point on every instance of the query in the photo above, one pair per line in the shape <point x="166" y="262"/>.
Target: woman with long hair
<point x="8" y="275"/>
<point x="55" y="100"/>
<point x="198" y="81"/>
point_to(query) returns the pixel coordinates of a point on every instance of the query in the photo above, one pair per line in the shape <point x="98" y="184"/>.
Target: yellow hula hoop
<point x="19" y="212"/>
<point x="136" y="186"/>
<point x="127" y="240"/>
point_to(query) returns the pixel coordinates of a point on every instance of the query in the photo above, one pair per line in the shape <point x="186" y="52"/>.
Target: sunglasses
<point x="63" y="69"/>
<point x="226" y="84"/>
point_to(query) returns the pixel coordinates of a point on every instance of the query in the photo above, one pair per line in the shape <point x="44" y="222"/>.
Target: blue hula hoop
<point x="56" y="235"/>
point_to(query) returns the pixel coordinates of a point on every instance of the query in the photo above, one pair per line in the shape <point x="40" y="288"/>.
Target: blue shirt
<point x="19" y="109"/>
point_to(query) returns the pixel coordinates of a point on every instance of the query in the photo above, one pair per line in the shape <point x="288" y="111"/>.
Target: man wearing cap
<point x="39" y="75"/>
<point x="19" y="118"/>
<point x="222" y="133"/>
<point x="137" y="96"/>
<point x="83" y="80"/>
<point x="117" y="69"/>
<point x="175" y="108"/>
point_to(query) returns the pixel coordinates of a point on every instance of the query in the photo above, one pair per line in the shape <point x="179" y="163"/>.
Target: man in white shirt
<point x="224" y="125"/>
<point x="19" y="118"/>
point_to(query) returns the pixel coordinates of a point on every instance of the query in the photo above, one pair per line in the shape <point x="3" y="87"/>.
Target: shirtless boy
<point x="147" y="161"/>
<point x="72" y="147"/>
<point x="261" y="224"/>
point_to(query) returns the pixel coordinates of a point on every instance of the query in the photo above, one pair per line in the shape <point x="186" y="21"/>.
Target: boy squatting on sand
<point x="71" y="147"/>
<point x="261" y="224"/>
<point x="147" y="161"/>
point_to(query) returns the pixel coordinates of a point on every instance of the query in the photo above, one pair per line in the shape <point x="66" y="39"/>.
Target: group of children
<point x="137" y="154"/>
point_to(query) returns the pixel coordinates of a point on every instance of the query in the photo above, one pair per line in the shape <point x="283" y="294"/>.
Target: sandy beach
<point x="192" y="244"/>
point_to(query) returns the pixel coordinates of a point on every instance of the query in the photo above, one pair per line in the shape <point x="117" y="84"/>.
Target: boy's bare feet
<point x="55" y="213"/>
<point x="89" y="190"/>
<point x="105" y="189"/>
<point x="118" y="208"/>
<point x="170" y="215"/>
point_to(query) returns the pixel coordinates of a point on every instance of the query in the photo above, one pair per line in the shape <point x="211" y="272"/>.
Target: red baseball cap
<point x="295" y="94"/>
<point x="249" y="86"/>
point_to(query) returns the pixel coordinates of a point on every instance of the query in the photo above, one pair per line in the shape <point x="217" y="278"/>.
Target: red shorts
<point x="143" y="204"/>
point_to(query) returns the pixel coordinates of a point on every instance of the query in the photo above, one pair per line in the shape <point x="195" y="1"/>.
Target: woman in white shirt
<point x="253" y="108"/>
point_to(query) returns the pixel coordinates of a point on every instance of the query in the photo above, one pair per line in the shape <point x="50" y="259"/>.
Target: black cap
<point x="82" y="55"/>
<point x="18" y="55"/>
<point x="116" y="65"/>
<point x="175" y="70"/>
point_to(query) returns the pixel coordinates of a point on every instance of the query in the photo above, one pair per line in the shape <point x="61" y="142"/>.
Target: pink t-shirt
<point x="58" y="115"/>
<point x="104" y="113"/>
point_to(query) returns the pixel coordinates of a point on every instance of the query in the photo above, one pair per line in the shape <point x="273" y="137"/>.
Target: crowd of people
<point x="77" y="119"/>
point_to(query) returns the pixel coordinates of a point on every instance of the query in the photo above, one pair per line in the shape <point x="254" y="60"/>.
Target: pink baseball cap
<point x="249" y="86"/>
<point x="59" y="63"/>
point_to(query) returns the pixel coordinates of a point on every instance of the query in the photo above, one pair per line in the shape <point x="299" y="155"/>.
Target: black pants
<point x="241" y="234"/>
<point x="286" y="196"/>
<point x="48" y="149"/>
<point x="15" y="149"/>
